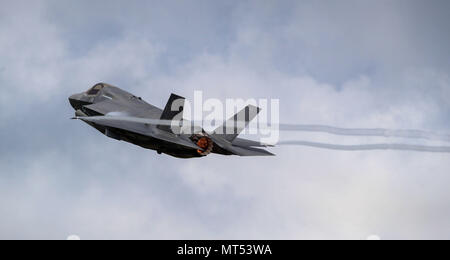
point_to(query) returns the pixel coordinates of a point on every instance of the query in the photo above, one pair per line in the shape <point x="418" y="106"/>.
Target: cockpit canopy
<point x="95" y="89"/>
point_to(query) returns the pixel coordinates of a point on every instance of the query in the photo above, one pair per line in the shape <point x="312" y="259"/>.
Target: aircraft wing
<point x="139" y="126"/>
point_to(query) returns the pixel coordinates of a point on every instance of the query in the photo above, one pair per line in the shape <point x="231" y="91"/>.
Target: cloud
<point x="346" y="64"/>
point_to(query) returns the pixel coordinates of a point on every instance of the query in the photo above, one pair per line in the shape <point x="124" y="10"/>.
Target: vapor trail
<point x="380" y="132"/>
<point x="369" y="147"/>
<point x="414" y="134"/>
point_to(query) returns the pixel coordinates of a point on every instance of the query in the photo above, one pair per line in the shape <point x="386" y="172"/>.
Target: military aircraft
<point x="124" y="116"/>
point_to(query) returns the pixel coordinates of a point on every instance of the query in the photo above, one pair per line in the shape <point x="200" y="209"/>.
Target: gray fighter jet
<point x="124" y="116"/>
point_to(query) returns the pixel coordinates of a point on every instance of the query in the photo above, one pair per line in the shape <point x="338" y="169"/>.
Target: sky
<point x="369" y="64"/>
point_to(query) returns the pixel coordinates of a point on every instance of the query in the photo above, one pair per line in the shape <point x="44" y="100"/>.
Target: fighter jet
<point x="126" y="117"/>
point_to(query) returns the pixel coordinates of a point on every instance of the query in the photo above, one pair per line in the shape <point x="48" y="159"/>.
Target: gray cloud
<point x="349" y="64"/>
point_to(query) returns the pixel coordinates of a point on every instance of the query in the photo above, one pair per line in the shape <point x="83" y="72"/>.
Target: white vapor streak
<point x="369" y="147"/>
<point x="380" y="132"/>
<point x="414" y="134"/>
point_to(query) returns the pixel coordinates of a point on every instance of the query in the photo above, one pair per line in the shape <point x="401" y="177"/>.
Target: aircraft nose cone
<point x="74" y="96"/>
<point x="75" y="101"/>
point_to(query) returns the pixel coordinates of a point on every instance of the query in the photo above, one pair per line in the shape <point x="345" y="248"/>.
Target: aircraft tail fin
<point x="172" y="111"/>
<point x="236" y="124"/>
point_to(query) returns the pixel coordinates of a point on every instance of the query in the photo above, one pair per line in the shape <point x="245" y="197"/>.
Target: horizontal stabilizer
<point x="250" y="151"/>
<point x="249" y="143"/>
<point x="241" y="151"/>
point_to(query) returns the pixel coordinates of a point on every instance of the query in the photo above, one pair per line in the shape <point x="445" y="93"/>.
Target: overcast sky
<point x="342" y="63"/>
